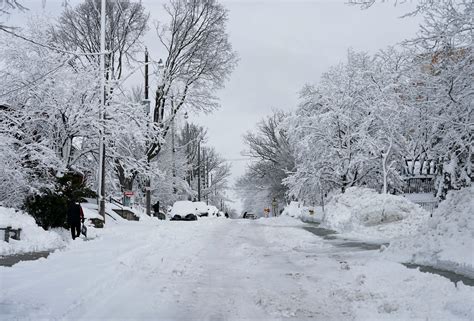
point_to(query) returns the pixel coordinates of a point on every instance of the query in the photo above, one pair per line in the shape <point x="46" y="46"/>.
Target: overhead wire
<point x="50" y="47"/>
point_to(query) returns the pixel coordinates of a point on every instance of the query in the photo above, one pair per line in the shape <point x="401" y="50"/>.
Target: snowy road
<point x="223" y="270"/>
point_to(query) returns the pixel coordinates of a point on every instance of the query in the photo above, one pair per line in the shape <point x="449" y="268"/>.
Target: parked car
<point x="213" y="211"/>
<point x="201" y="209"/>
<point x="183" y="211"/>
<point x="249" y="216"/>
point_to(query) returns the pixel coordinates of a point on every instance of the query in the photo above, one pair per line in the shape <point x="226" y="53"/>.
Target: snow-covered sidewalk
<point x="267" y="269"/>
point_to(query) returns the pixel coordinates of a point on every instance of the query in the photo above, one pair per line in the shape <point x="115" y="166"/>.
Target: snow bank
<point x="447" y="241"/>
<point x="294" y="209"/>
<point x="312" y="214"/>
<point x="365" y="213"/>
<point x="32" y="238"/>
<point x="307" y="214"/>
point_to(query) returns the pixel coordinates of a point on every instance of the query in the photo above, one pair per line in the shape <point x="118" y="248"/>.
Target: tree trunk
<point x="126" y="182"/>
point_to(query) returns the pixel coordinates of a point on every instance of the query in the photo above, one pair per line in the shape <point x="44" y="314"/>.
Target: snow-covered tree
<point x="440" y="93"/>
<point x="199" y="60"/>
<point x="333" y="129"/>
<point x="269" y="146"/>
<point x="446" y="88"/>
<point x="78" y="30"/>
<point x="49" y="117"/>
<point x="6" y="7"/>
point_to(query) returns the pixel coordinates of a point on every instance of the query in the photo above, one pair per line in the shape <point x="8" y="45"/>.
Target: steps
<point x="126" y="214"/>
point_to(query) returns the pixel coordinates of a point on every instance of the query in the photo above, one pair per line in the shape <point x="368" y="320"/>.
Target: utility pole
<point x="173" y="151"/>
<point x="199" y="171"/>
<point x="207" y="180"/>
<point x="101" y="176"/>
<point x="147" y="106"/>
<point x="188" y="151"/>
<point x="203" y="173"/>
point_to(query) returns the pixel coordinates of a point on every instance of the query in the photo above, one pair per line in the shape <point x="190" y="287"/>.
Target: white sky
<point x="282" y="45"/>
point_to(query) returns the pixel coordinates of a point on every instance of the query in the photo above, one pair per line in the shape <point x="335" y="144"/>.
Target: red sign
<point x="128" y="193"/>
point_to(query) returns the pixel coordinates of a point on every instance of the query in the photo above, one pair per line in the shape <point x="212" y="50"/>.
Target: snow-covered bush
<point x="361" y="210"/>
<point x="447" y="241"/>
<point x="49" y="208"/>
<point x="294" y="209"/>
<point x="32" y="237"/>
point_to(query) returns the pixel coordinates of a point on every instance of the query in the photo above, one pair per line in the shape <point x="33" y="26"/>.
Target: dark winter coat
<point x="74" y="213"/>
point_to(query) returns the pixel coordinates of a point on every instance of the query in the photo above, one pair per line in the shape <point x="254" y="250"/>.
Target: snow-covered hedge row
<point x="447" y="241"/>
<point x="32" y="238"/>
<point x="366" y="212"/>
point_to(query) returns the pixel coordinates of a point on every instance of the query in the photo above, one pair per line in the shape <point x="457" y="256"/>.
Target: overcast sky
<point x="282" y="45"/>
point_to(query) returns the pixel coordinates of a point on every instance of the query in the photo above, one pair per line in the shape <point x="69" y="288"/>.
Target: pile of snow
<point x="447" y="240"/>
<point x="294" y="209"/>
<point x="305" y="213"/>
<point x="312" y="214"/>
<point x="364" y="212"/>
<point x="33" y="238"/>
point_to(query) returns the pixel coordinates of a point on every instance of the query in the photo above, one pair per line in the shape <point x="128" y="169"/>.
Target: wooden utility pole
<point x="203" y="178"/>
<point x="173" y="152"/>
<point x="199" y="171"/>
<point x="101" y="176"/>
<point x="207" y="180"/>
<point x="147" y="106"/>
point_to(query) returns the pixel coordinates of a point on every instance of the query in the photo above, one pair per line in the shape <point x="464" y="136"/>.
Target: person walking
<point x="74" y="217"/>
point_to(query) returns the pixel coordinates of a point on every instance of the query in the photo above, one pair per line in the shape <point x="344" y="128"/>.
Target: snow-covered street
<point x="217" y="269"/>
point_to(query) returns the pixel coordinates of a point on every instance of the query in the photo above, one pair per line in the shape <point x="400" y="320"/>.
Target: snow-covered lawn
<point x="267" y="269"/>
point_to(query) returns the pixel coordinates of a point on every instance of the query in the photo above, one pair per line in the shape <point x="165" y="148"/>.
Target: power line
<point x="49" y="47"/>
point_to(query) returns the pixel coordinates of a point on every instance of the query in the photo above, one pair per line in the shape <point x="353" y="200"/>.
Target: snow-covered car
<point x="201" y="208"/>
<point x="183" y="211"/>
<point x="213" y="211"/>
